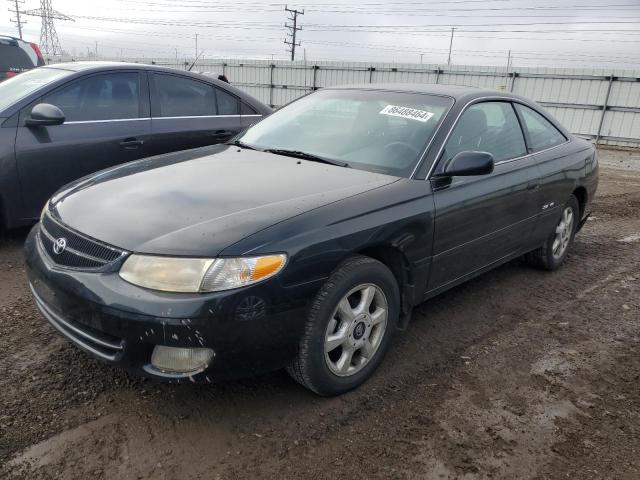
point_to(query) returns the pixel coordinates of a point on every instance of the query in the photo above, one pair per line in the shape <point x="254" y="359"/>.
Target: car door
<point x="483" y="219"/>
<point x="189" y="113"/>
<point x="106" y="123"/>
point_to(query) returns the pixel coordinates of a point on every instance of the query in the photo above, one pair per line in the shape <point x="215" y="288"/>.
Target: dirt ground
<point x="517" y="374"/>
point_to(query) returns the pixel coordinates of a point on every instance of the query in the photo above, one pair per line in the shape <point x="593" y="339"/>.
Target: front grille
<point x="80" y="252"/>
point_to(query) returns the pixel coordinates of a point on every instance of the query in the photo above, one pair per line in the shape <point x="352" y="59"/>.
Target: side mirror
<point x="44" y="114"/>
<point x="469" y="163"/>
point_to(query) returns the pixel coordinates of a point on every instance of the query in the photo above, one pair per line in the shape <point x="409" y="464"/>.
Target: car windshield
<point x="374" y="130"/>
<point x="20" y="86"/>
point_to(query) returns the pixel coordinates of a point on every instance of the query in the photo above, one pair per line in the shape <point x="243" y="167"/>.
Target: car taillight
<point x="36" y="49"/>
<point x="11" y="74"/>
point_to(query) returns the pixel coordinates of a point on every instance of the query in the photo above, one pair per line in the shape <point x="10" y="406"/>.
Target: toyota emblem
<point x="59" y="245"/>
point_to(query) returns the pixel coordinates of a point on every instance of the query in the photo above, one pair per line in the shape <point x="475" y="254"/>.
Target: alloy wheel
<point x="564" y="230"/>
<point x="355" y="330"/>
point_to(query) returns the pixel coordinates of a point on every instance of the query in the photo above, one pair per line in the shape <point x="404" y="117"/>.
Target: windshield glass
<point x="22" y="85"/>
<point x="379" y="131"/>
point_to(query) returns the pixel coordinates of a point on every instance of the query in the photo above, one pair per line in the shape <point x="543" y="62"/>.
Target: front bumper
<point x="251" y="330"/>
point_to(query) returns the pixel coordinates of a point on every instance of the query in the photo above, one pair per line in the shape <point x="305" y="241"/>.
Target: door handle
<point x="533" y="186"/>
<point x="131" y="143"/>
<point x="221" y="133"/>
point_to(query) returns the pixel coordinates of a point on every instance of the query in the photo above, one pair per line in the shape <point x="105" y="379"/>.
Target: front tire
<point x="553" y="253"/>
<point x="348" y="329"/>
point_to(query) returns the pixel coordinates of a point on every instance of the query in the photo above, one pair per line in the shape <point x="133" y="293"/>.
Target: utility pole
<point x="421" y="58"/>
<point x="49" y="41"/>
<point x="196" y="57"/>
<point x="16" y="11"/>
<point x="453" y="29"/>
<point x="293" y="29"/>
<point x="508" y="60"/>
<point x="96" y="49"/>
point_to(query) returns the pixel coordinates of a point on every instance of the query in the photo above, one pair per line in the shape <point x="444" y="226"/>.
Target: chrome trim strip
<point x="531" y="154"/>
<point x="86" y="237"/>
<point x="106" y="121"/>
<point x="198" y="116"/>
<point x="477" y="100"/>
<point x="63" y="327"/>
<point x="75" y="252"/>
<point x="79" y="122"/>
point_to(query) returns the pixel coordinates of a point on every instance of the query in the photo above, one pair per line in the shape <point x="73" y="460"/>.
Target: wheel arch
<point x="396" y="261"/>
<point x="582" y="196"/>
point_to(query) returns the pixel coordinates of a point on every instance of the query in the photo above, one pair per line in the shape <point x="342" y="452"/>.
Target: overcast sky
<point x="567" y="33"/>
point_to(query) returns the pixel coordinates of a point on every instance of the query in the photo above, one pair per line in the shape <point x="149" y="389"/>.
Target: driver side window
<point x="99" y="97"/>
<point x="487" y="127"/>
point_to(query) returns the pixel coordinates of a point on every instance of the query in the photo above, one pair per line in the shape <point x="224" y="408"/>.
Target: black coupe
<point x="306" y="241"/>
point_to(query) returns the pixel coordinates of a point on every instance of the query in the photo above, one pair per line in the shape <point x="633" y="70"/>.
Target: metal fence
<point x="601" y="104"/>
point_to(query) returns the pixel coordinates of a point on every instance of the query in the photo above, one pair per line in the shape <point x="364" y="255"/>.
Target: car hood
<point x="201" y="201"/>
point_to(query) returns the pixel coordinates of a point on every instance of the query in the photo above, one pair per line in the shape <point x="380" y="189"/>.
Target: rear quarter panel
<point x="562" y="170"/>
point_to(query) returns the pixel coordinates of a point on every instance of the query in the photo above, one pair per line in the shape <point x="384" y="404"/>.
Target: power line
<point x="463" y="53"/>
<point x="360" y="5"/>
<point x="373" y="46"/>
<point x="293" y="29"/>
<point x="397" y="29"/>
<point x="171" y="8"/>
<point x="429" y="34"/>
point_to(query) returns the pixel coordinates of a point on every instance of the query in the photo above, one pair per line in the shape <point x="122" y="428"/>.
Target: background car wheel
<point x="554" y="251"/>
<point x="349" y="327"/>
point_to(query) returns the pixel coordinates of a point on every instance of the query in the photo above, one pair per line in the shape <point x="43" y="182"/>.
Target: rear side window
<point x="541" y="132"/>
<point x="112" y="96"/>
<point x="246" y="109"/>
<point x="488" y="127"/>
<point x="14" y="59"/>
<point x="183" y="97"/>
<point x="227" y="104"/>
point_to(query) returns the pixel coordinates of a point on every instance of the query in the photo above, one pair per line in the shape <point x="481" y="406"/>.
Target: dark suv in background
<point x="17" y="56"/>
<point x="62" y="122"/>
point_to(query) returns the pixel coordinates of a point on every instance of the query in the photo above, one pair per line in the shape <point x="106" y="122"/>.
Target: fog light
<point x="181" y="360"/>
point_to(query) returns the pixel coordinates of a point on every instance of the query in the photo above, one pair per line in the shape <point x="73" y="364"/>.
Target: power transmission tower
<point x="16" y="11"/>
<point x="49" y="42"/>
<point x="293" y="29"/>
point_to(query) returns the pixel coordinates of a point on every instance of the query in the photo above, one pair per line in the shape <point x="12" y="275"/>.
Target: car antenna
<point x="194" y="62"/>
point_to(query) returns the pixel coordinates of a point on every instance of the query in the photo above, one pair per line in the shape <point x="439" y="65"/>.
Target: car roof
<point x="88" y="66"/>
<point x="455" y="91"/>
<point x="97" y="66"/>
<point x="9" y="40"/>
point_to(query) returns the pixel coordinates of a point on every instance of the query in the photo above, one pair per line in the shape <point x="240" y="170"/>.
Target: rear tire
<point x="553" y="253"/>
<point x="348" y="329"/>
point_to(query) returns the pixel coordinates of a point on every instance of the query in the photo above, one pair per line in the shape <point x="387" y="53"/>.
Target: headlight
<point x="171" y="274"/>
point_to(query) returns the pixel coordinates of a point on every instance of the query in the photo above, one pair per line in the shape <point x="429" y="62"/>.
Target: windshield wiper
<point x="306" y="156"/>
<point x="241" y="144"/>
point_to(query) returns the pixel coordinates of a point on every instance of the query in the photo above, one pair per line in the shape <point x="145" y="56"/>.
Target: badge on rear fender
<point x="406" y="112"/>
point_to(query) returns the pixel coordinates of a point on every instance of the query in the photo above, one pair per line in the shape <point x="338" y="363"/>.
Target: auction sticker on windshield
<point x="406" y="112"/>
